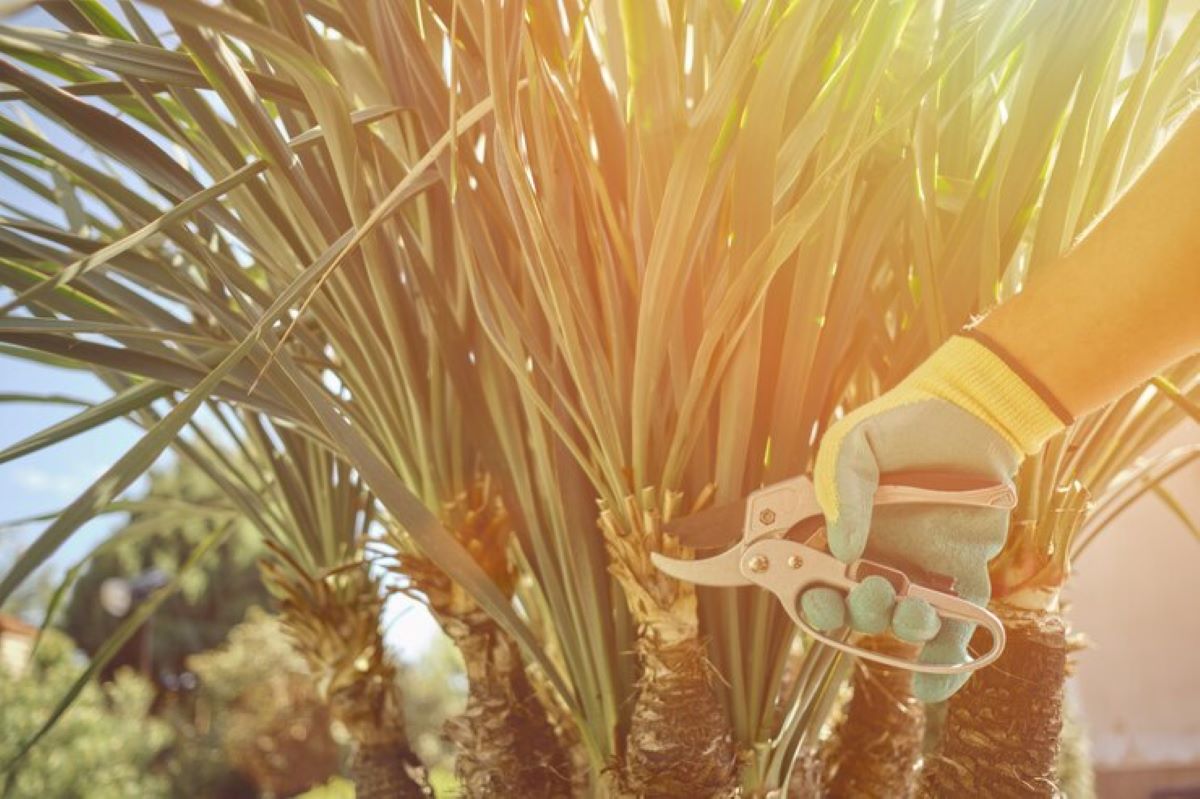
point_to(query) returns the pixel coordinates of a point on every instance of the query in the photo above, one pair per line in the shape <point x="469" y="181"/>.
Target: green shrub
<point x="103" y="747"/>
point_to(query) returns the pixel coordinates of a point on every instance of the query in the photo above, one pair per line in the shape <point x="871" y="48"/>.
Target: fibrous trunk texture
<point x="1001" y="733"/>
<point x="506" y="743"/>
<point x="334" y="622"/>
<point x="876" y="745"/>
<point x="679" y="741"/>
<point x="384" y="770"/>
<point x="383" y="765"/>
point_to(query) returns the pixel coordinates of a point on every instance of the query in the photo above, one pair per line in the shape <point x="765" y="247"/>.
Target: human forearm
<point x="1125" y="301"/>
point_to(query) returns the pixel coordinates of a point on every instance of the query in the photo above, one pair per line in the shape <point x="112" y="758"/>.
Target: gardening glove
<point x="970" y="409"/>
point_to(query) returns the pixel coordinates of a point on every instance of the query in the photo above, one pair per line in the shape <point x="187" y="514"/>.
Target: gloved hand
<point x="969" y="408"/>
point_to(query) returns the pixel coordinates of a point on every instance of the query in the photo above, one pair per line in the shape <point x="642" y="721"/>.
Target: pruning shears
<point x="782" y="549"/>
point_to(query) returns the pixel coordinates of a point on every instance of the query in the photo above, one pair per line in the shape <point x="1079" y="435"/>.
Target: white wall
<point x="1136" y="596"/>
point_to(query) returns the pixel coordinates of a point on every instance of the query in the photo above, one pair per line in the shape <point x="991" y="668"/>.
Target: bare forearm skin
<point x="1125" y="301"/>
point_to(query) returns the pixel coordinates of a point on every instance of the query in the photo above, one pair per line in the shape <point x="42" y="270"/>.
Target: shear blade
<point x="711" y="528"/>
<point x="719" y="570"/>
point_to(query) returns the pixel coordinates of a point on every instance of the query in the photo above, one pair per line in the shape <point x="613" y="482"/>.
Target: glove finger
<point x="845" y="477"/>
<point x="824" y="608"/>
<point x="950" y="646"/>
<point x="915" y="620"/>
<point x="870" y="604"/>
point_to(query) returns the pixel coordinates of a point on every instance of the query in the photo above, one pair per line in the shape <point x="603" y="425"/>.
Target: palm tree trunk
<point x="334" y="623"/>
<point x="876" y="746"/>
<point x="679" y="741"/>
<point x="506" y="743"/>
<point x="368" y="703"/>
<point x="1002" y="730"/>
<point x="383" y="766"/>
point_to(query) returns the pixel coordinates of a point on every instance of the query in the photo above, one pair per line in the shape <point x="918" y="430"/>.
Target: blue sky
<point x="50" y="479"/>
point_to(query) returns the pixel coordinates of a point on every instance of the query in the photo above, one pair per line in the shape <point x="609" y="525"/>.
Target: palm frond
<point x="616" y="253"/>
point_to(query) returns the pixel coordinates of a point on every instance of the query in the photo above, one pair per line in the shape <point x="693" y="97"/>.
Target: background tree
<point x="212" y="598"/>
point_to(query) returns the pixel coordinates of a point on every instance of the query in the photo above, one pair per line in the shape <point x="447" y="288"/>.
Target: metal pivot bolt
<point x="767" y="516"/>
<point x="758" y="564"/>
<point x="795" y="561"/>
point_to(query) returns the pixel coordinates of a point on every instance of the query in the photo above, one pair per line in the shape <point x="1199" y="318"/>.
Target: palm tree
<point x="1089" y="122"/>
<point x="621" y="259"/>
<point x="316" y="516"/>
<point x="507" y="743"/>
<point x="325" y="602"/>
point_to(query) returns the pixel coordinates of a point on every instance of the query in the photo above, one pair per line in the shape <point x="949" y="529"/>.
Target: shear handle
<point x="781" y="506"/>
<point x="947" y="607"/>
<point x="788" y="569"/>
<point x="943" y="488"/>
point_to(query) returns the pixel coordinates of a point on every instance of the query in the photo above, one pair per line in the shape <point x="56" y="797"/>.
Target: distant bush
<point x="254" y="717"/>
<point x="255" y="713"/>
<point x="336" y="788"/>
<point x="102" y="748"/>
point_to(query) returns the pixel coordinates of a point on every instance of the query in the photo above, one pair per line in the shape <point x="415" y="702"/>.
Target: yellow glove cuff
<point x="983" y="381"/>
